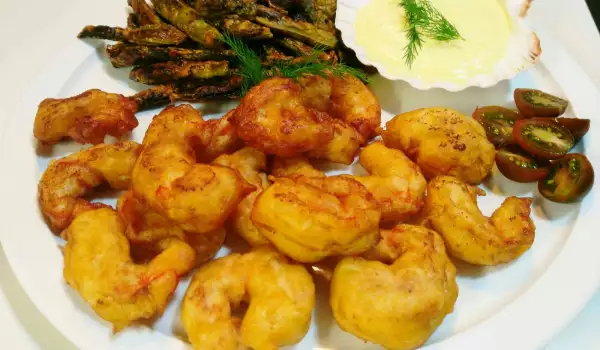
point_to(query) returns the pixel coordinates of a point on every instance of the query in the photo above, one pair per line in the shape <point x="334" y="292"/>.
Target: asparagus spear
<point x="187" y="19"/>
<point x="296" y="46"/>
<point x="165" y="94"/>
<point x="165" y="72"/>
<point x="273" y="55"/>
<point x="322" y="14"/>
<point x="303" y="31"/>
<point x="154" y="34"/>
<point x="145" y="13"/>
<point x="244" y="28"/>
<point x="125" y="55"/>
<point x="133" y="20"/>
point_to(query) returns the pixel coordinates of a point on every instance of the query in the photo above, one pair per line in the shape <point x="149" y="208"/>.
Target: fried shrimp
<point x="251" y="164"/>
<point x="400" y="300"/>
<point x="218" y="136"/>
<point x="280" y="293"/>
<point x="272" y="117"/>
<point x="198" y="197"/>
<point x="146" y="227"/>
<point x="68" y="179"/>
<point x="310" y="218"/>
<point x="85" y="118"/>
<point x="291" y="167"/>
<point x="98" y="266"/>
<point x="451" y="208"/>
<point x="395" y="181"/>
<point x="442" y="142"/>
<point x="343" y="147"/>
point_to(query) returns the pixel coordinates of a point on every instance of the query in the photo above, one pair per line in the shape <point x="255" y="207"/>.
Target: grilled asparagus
<point x="125" y="55"/>
<point x="244" y="28"/>
<point x="300" y="30"/>
<point x="154" y="34"/>
<point x="187" y="19"/>
<point x="217" y="8"/>
<point x="165" y="72"/>
<point x="322" y="14"/>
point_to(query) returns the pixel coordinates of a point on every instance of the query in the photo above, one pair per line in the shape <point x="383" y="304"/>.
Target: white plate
<point x="515" y="306"/>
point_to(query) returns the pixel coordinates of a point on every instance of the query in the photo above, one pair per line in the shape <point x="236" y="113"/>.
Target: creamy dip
<point x="484" y="24"/>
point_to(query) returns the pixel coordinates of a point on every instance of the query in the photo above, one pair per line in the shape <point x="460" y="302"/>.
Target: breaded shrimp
<point x="85" y="118"/>
<point x="451" y="208"/>
<point x="251" y="164"/>
<point x="218" y="136"/>
<point x="310" y="218"/>
<point x="395" y="181"/>
<point x="272" y="117"/>
<point x="98" y="266"/>
<point x="198" y="197"/>
<point x="68" y="179"/>
<point x="145" y="227"/>
<point x="399" y="300"/>
<point x="442" y="141"/>
<point x="280" y="293"/>
<point x="343" y="147"/>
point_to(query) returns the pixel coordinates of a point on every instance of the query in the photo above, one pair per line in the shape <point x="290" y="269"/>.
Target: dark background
<point x="594" y="6"/>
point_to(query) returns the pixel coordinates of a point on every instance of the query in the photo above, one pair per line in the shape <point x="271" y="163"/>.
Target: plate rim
<point x="76" y="328"/>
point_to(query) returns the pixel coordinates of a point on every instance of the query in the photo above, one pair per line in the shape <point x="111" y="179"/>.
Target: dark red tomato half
<point x="538" y="104"/>
<point x="498" y="123"/>
<point x="519" y="166"/>
<point x="542" y="137"/>
<point x="577" y="127"/>
<point x="569" y="180"/>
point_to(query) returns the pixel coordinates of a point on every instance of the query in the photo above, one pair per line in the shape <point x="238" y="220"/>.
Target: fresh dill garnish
<point x="253" y="71"/>
<point x="424" y="21"/>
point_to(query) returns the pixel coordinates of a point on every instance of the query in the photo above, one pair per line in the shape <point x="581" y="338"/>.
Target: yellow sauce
<point x="484" y="24"/>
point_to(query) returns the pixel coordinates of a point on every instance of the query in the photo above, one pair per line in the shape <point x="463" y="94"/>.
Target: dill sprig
<point x="253" y="71"/>
<point x="424" y="21"/>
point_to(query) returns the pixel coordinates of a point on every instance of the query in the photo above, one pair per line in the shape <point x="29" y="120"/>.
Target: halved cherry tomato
<point x="535" y="103"/>
<point x="498" y="123"/>
<point x="543" y="138"/>
<point x="577" y="127"/>
<point x="520" y="167"/>
<point x="569" y="180"/>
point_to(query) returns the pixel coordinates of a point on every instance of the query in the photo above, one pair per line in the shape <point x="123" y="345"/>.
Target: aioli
<point x="484" y="24"/>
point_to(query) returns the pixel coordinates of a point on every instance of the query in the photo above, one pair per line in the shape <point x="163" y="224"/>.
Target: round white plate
<point x="520" y="305"/>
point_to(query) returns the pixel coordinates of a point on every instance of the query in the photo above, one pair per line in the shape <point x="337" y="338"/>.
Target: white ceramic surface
<point x="522" y="52"/>
<point x="516" y="289"/>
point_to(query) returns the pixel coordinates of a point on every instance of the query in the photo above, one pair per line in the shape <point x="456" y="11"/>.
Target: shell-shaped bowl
<point x="523" y="48"/>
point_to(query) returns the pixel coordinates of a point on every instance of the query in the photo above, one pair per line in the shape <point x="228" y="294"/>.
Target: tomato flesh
<point x="538" y="104"/>
<point x="520" y="167"/>
<point x="569" y="180"/>
<point x="498" y="123"/>
<point x="543" y="138"/>
<point x="577" y="127"/>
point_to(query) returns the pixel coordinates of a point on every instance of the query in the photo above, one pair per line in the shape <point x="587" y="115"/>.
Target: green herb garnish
<point x="253" y="71"/>
<point x="424" y="21"/>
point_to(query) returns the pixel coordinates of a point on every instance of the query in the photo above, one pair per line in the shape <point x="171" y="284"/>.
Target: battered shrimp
<point x="198" y="197"/>
<point x="310" y="218"/>
<point x="345" y="98"/>
<point x="343" y="147"/>
<point x="272" y="117"/>
<point x="442" y="142"/>
<point x="85" y="118"/>
<point x="251" y="164"/>
<point x="146" y="227"/>
<point x="451" y="206"/>
<point x="218" y="136"/>
<point x="355" y="104"/>
<point x="280" y="293"/>
<point x="98" y="266"/>
<point x="292" y="167"/>
<point x="395" y="181"/>
<point x="68" y="179"/>
<point x="400" y="300"/>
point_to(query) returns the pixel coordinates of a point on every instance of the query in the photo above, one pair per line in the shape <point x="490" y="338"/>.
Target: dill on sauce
<point x="253" y="71"/>
<point x="424" y="21"/>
